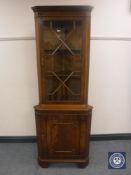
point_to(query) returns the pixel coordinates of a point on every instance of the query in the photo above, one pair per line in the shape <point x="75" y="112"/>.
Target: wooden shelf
<point x="51" y="74"/>
<point x="61" y="51"/>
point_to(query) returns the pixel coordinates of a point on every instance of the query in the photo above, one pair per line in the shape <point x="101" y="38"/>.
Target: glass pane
<point x="62" y="42"/>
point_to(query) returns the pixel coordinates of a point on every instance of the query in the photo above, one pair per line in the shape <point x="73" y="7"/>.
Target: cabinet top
<point x="62" y="8"/>
<point x="62" y="107"/>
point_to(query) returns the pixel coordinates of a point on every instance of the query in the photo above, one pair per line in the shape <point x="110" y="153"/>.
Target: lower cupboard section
<point x="63" y="137"/>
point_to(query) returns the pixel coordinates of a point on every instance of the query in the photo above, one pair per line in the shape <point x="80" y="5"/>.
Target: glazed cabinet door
<point x="62" y="58"/>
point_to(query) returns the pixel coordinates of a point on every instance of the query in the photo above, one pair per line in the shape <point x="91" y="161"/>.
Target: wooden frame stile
<point x="38" y="46"/>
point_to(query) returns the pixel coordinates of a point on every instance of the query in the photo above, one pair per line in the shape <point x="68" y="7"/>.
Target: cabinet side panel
<point x="41" y="126"/>
<point x="85" y="135"/>
<point x="38" y="50"/>
<point x="86" y="58"/>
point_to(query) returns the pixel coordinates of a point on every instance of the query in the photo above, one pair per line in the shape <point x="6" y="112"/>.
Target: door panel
<point x="63" y="137"/>
<point x="62" y="42"/>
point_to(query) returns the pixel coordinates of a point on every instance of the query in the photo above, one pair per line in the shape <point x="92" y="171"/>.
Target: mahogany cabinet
<point x="63" y="116"/>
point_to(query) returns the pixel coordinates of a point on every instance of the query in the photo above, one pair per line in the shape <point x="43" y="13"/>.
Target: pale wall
<point x="110" y="66"/>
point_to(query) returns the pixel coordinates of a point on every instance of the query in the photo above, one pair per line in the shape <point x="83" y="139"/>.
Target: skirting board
<point x="95" y="137"/>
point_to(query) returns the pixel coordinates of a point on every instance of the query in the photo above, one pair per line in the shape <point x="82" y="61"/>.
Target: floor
<point x="21" y="159"/>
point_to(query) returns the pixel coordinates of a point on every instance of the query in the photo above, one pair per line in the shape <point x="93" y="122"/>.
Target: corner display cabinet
<point x="63" y="116"/>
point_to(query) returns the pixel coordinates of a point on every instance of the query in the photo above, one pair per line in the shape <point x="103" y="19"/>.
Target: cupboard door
<point x="63" y="137"/>
<point x="62" y="60"/>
